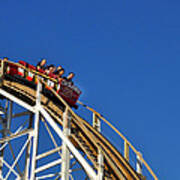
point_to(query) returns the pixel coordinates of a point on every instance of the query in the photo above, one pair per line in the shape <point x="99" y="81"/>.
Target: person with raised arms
<point x="41" y="64"/>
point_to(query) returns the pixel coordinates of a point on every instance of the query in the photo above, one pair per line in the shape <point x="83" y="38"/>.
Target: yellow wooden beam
<point x="126" y="150"/>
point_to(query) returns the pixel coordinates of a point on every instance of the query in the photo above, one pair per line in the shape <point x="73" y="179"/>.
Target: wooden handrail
<point x="123" y="137"/>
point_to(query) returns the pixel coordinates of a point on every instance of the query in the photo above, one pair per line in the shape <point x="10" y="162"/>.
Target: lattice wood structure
<point x="74" y="140"/>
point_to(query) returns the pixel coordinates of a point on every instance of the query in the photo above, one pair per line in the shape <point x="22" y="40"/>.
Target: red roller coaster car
<point x="27" y="72"/>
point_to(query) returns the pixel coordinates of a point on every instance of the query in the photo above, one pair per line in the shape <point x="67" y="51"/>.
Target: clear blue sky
<point x="126" y="56"/>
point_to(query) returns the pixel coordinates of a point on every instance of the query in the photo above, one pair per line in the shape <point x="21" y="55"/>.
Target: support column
<point x="4" y="126"/>
<point x="27" y="160"/>
<point x="9" y="116"/>
<point x="97" y="126"/>
<point x="139" y="164"/>
<point x="96" y="122"/>
<point x="36" y="131"/>
<point x="1" y="72"/>
<point x="65" y="151"/>
<point x="1" y="159"/>
<point x="126" y="150"/>
<point x="100" y="165"/>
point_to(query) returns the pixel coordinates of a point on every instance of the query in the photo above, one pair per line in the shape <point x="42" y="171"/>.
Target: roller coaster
<point x="42" y="137"/>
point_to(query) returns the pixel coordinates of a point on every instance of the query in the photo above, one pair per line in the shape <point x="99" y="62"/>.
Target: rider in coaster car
<point x="50" y="69"/>
<point x="70" y="77"/>
<point x="60" y="75"/>
<point x="5" y="58"/>
<point x="41" y="64"/>
<point x="57" y="70"/>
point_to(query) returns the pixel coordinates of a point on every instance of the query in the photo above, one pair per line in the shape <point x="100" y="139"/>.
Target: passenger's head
<point x="43" y="62"/>
<point x="61" y="72"/>
<point x="70" y="76"/>
<point x="59" y="67"/>
<point x="51" y="68"/>
<point x="54" y="69"/>
<point x="5" y="59"/>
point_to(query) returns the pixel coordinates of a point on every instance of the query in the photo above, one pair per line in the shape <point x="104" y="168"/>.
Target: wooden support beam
<point x="126" y="150"/>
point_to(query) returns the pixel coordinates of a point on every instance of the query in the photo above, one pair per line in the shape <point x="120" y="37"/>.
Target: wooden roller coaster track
<point x="85" y="138"/>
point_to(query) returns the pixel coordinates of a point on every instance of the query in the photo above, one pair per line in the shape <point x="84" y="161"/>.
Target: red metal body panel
<point x="52" y="75"/>
<point x="31" y="67"/>
<point x="21" y="70"/>
<point x="30" y="75"/>
<point x="41" y="71"/>
<point x="13" y="69"/>
<point x="68" y="93"/>
<point x="22" y="63"/>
